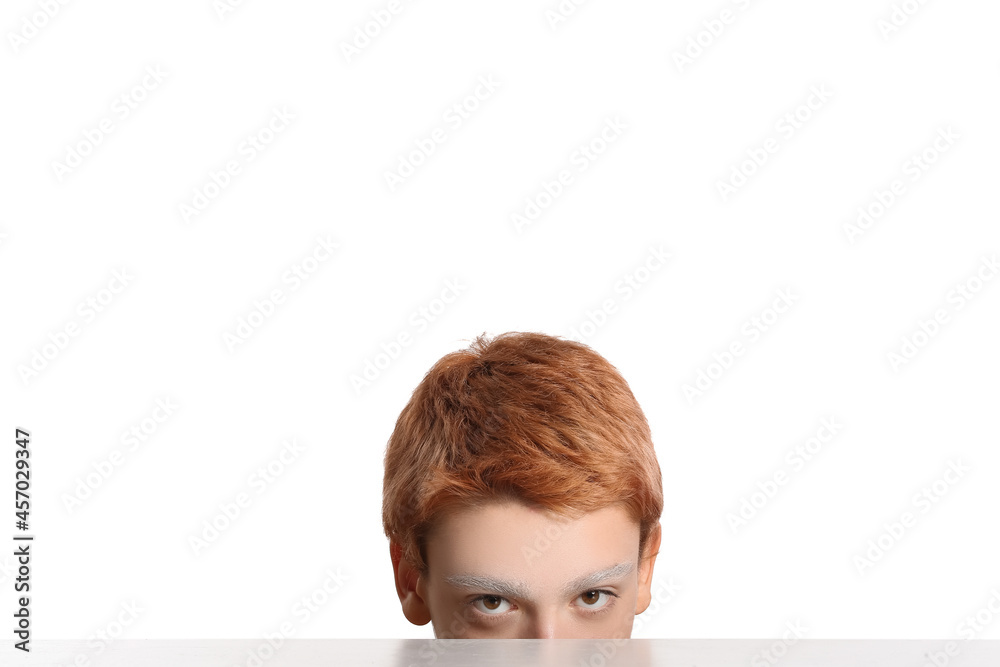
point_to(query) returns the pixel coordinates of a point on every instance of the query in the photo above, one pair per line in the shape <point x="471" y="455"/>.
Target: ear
<point x="646" y="562"/>
<point x="409" y="586"/>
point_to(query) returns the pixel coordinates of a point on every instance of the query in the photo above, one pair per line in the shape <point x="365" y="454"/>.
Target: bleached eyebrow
<point x="519" y="590"/>
<point x="589" y="581"/>
<point x="507" y="589"/>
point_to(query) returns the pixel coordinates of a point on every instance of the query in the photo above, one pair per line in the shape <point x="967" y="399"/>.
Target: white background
<point x="686" y="126"/>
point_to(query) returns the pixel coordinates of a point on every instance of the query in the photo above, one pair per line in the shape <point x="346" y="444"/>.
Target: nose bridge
<point x="544" y="630"/>
<point x="545" y="624"/>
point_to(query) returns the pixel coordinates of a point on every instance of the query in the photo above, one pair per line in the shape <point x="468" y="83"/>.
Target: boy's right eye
<point x="490" y="605"/>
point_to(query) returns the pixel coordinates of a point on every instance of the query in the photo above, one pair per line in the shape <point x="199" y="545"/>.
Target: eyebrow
<point x="518" y="589"/>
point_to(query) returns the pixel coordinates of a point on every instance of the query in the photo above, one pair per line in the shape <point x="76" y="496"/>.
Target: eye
<point x="490" y="605"/>
<point x="596" y="599"/>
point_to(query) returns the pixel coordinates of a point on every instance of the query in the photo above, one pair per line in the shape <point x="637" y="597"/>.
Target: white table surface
<point x="487" y="652"/>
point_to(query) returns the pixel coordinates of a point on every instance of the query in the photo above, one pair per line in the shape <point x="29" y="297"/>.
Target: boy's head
<point x="522" y="494"/>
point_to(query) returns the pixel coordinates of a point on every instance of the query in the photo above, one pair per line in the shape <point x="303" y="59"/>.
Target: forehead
<point x="517" y="542"/>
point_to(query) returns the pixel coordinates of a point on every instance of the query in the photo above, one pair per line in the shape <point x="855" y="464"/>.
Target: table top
<point x="487" y="652"/>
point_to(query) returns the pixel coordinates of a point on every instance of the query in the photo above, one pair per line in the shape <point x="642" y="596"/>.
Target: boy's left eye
<point x="594" y="600"/>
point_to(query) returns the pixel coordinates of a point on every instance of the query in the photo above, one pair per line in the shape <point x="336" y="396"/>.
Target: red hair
<point x="528" y="417"/>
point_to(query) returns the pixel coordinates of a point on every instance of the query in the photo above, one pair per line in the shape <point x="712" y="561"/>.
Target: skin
<point x="541" y="555"/>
